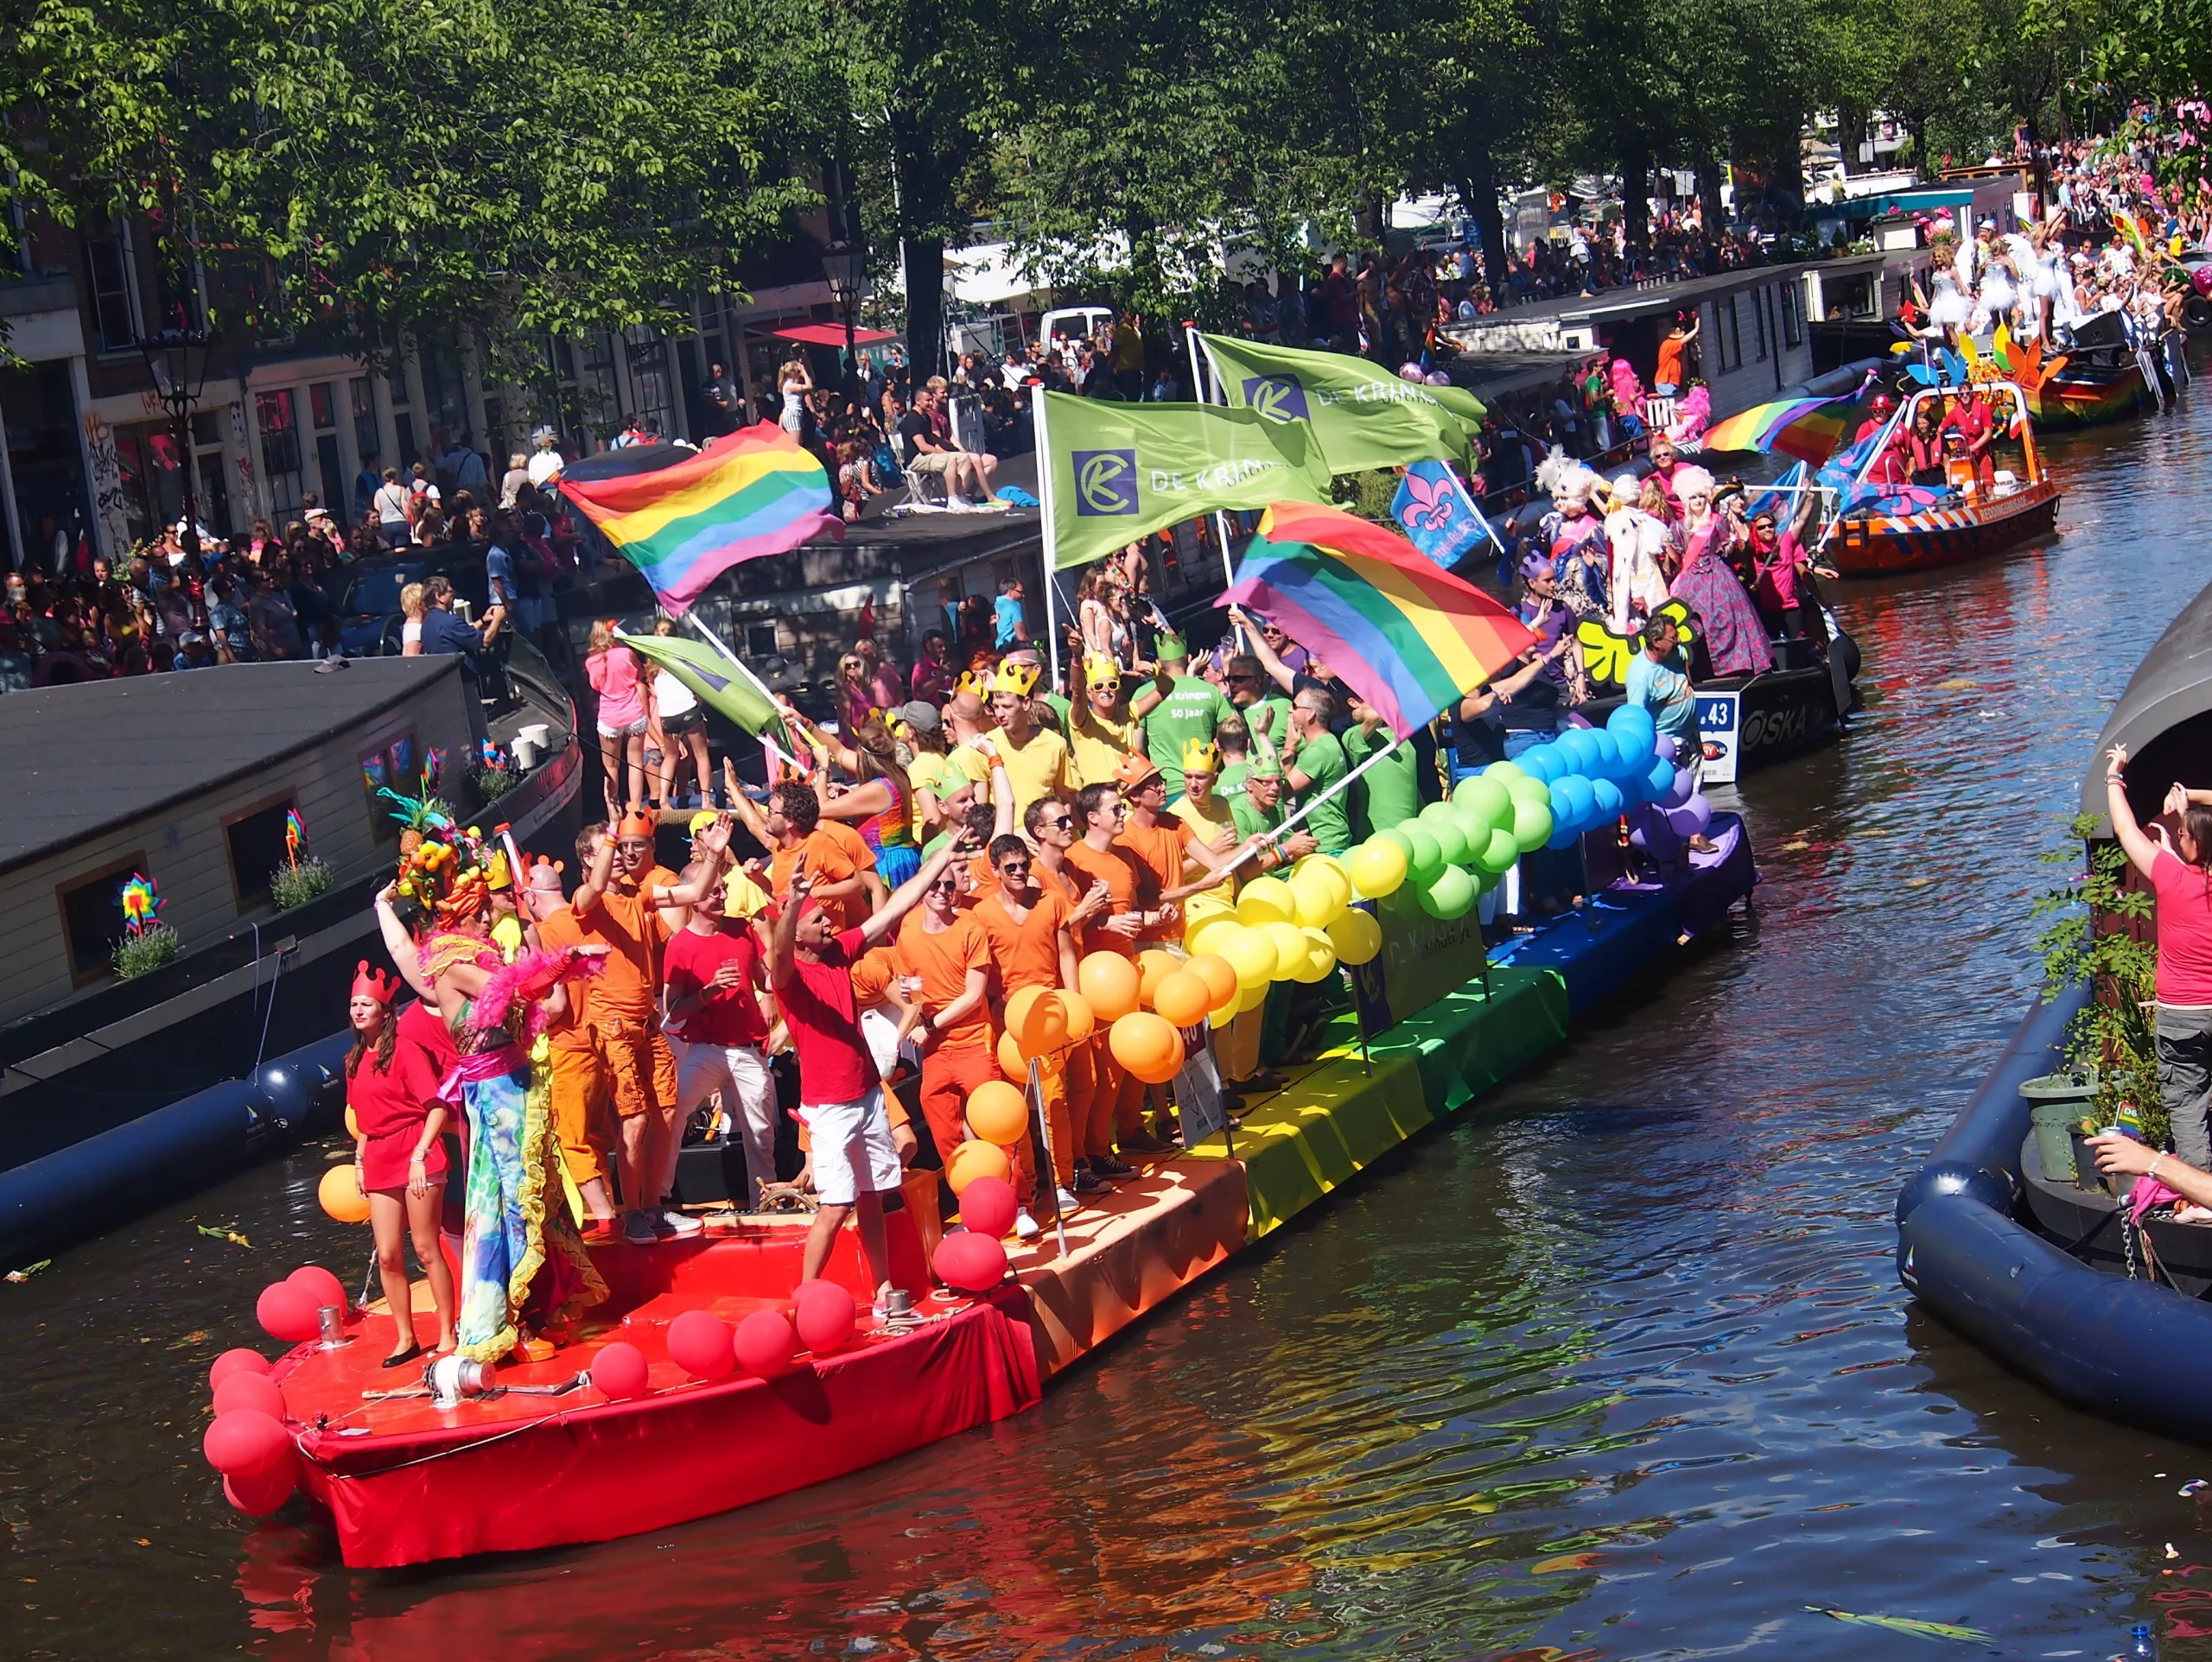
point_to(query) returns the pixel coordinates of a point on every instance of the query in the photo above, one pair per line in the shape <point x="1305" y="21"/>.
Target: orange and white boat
<point x="1968" y="520"/>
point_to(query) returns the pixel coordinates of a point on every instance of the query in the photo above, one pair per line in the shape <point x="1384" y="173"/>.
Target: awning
<point x="2169" y="689"/>
<point x="830" y="335"/>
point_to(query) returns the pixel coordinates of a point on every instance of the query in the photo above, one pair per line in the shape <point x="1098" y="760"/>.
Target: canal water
<point x="1616" y="1366"/>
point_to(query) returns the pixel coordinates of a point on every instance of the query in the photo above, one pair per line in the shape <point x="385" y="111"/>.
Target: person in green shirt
<point x="1260" y="811"/>
<point x="1389" y="792"/>
<point x="1317" y="763"/>
<point x="1177" y="708"/>
<point x="1235" y="741"/>
<point x="1265" y="709"/>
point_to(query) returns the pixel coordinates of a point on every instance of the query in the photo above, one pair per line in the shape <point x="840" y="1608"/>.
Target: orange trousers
<point x="578" y="1085"/>
<point x="1116" y="1101"/>
<point x="949" y="1076"/>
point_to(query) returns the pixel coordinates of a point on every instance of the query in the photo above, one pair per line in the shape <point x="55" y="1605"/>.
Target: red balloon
<point x="988" y="1206"/>
<point x="766" y="1343"/>
<point x="250" y="1391"/>
<point x="618" y="1370"/>
<point x="699" y="1343"/>
<point x="826" y="1314"/>
<point x="287" y="1312"/>
<point x="969" y="1262"/>
<point x="246" y="1440"/>
<point x="258" y="1493"/>
<point x="240" y="1360"/>
<point x="328" y="1291"/>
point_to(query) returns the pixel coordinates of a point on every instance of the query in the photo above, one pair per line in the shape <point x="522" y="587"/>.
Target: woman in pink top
<point x="612" y="668"/>
<point x="2177" y="875"/>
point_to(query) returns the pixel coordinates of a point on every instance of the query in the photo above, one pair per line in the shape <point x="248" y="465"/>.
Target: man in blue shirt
<point x="443" y="633"/>
<point x="1655" y="685"/>
<point x="1009" y="622"/>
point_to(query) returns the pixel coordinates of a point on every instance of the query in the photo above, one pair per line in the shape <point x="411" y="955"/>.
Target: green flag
<point x="715" y="681"/>
<point x="1119" y="471"/>
<point x="1362" y="415"/>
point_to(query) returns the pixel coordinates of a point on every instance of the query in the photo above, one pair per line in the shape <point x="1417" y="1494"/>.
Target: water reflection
<point x="1621" y="1369"/>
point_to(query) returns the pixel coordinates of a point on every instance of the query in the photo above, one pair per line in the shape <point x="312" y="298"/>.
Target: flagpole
<point x="1220" y="519"/>
<point x="1050" y="527"/>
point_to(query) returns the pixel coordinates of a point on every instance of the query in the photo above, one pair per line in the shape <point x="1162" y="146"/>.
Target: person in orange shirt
<point x="946" y="958"/>
<point x="1117" y="1100"/>
<point x="793" y="823"/>
<point x="619" y="905"/>
<point x="577" y="1078"/>
<point x="1165" y="843"/>
<point x="1032" y="945"/>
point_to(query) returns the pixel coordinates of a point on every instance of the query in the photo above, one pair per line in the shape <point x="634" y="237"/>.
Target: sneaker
<point x="639" y="1231"/>
<point x="675" y="1225"/>
<point x="1025" y="1227"/>
<point x="1086" y="1183"/>
<point x="1143" y="1142"/>
<point x="1106" y="1166"/>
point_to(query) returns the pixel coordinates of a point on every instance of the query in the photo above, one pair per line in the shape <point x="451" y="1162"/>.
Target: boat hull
<point x="2090" y="400"/>
<point x="1880" y="545"/>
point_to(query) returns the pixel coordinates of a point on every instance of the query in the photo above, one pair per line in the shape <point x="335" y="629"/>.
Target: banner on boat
<point x="1423" y="958"/>
<point x="1719" y="726"/>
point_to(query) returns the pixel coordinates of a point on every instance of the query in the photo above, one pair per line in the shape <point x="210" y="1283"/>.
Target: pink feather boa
<point x="528" y="980"/>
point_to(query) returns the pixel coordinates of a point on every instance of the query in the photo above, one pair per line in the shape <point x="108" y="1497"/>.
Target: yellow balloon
<point x="1377" y="867"/>
<point x="1251" y="998"/>
<point x="1221" y="1017"/>
<point x="1319" y="902"/>
<point x="1357" y="936"/>
<point x="1211" y="903"/>
<point x="1291" y="948"/>
<point x="1321" y="957"/>
<point x="353" y="1126"/>
<point x="1207" y="937"/>
<point x="1251" y="953"/>
<point x="1330" y="869"/>
<point x="1266" y="900"/>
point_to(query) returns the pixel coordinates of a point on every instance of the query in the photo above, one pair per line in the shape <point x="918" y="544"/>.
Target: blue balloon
<point x="1539" y="761"/>
<point x="1657" y="780"/>
<point x="1565" y="835"/>
<point x="1608" y="798"/>
<point x="1608" y="762"/>
<point x="1575" y="747"/>
<point x="1574" y="793"/>
<point x="1628" y="722"/>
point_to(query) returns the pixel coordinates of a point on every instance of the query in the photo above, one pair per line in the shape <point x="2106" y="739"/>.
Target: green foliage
<point x="1369" y="494"/>
<point x="2089" y="941"/>
<point x="147" y="949"/>
<point x="295" y="886"/>
<point x="491" y="784"/>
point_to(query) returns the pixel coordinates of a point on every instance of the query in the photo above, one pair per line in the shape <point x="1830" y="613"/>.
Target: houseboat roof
<point x="2172" y="685"/>
<point x="1616" y="305"/>
<point x="83" y="759"/>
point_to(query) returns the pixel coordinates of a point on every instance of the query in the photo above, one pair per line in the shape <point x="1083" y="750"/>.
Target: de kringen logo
<point x="1105" y="481"/>
<point x="1277" y="397"/>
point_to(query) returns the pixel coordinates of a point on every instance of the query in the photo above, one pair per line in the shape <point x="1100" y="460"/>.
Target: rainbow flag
<point x="1408" y="637"/>
<point x="1808" y="429"/>
<point x="683" y="518"/>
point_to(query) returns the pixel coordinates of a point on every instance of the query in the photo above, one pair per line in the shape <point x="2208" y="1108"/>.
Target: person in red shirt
<point x="399" y="1157"/>
<point x="719" y="1014"/>
<point x="840" y="1092"/>
<point x="1975" y="423"/>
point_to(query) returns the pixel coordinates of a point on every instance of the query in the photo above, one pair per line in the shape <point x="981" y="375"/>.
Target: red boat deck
<point x="407" y="1481"/>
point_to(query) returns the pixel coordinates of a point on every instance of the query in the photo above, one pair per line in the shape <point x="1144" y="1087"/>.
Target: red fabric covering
<point x="601" y="1469"/>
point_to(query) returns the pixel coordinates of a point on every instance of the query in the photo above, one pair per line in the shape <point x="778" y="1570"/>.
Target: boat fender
<point x="289" y="1094"/>
<point x="1995" y="1190"/>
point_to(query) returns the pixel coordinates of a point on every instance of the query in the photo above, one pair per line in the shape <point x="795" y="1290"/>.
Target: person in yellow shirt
<point x="1208" y="816"/>
<point x="1103" y="729"/>
<point x="1036" y="758"/>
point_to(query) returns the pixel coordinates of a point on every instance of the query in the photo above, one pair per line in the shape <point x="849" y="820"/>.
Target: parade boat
<point x="2008" y="1233"/>
<point x="116" y="1093"/>
<point x="2099" y="378"/>
<point x="1919" y="529"/>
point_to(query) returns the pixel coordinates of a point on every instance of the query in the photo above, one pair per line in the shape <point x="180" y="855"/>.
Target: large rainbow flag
<point x="1408" y="637"/>
<point x="685" y="516"/>
<point x="1808" y="429"/>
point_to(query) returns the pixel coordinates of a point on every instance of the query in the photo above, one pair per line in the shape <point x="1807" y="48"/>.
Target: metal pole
<point x="1220" y="520"/>
<point x="1051" y="1163"/>
<point x="1050" y="539"/>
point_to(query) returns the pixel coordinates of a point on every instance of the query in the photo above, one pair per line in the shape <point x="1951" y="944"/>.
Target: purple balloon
<point x="1680" y="791"/>
<point x="1655" y="836"/>
<point x="1666" y="746"/>
<point x="1691" y="819"/>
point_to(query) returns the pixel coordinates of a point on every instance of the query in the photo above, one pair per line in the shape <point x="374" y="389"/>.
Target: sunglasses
<point x="634" y="845"/>
<point x="1014" y="867"/>
<point x="945" y="886"/>
<point x="1055" y="822"/>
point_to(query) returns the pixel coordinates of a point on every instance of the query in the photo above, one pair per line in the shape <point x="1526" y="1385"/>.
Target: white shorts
<point x="846" y="1136"/>
<point x="636" y="729"/>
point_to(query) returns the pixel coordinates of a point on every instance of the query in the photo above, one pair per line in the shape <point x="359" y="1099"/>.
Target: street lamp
<point x="843" y="265"/>
<point x="177" y="361"/>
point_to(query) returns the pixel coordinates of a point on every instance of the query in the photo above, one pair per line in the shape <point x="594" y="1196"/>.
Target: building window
<point x="115" y="289"/>
<point x="92" y="917"/>
<point x="322" y="406"/>
<point x="368" y="443"/>
<point x="1793" y="325"/>
<point x="257" y="845"/>
<point x="761" y="640"/>
<point x="1727" y="334"/>
<point x="280" y="450"/>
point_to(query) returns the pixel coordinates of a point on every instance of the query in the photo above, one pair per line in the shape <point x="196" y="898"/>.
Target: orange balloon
<point x="976" y="1159"/>
<point x="340" y="1194"/>
<point x="353" y="1126"/>
<point x="1183" y="999"/>
<point x="1110" y="983"/>
<point x="1219" y="975"/>
<point x="1154" y="967"/>
<point x="1012" y="1063"/>
<point x="1148" y="1046"/>
<point x="1037" y="1021"/>
<point x="997" y="1113"/>
<point x="1082" y="1020"/>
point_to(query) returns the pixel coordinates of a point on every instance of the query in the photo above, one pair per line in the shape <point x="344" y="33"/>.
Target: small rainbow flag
<point x="1408" y="637"/>
<point x="685" y="516"/>
<point x="1808" y="429"/>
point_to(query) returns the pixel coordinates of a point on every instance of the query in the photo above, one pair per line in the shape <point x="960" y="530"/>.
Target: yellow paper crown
<point x="1201" y="755"/>
<point x="1016" y="678"/>
<point x="1099" y="671"/>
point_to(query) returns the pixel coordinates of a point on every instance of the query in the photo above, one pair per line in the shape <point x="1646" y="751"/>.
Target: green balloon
<point x="1525" y="790"/>
<point x="1503" y="771"/>
<point x="1531" y="825"/>
<point x="1450" y="895"/>
<point x="1452" y="842"/>
<point x="1474" y="825"/>
<point x="1397" y="833"/>
<point x="1433" y="812"/>
<point x="1486" y="796"/>
<point x="1426" y="859"/>
<point x="1502" y="852"/>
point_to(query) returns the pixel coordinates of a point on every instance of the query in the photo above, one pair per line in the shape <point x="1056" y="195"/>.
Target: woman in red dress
<point x="399" y="1156"/>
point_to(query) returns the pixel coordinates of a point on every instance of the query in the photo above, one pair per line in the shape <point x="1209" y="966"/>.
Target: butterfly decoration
<point x="141" y="900"/>
<point x="2023" y="360"/>
<point x="1606" y="654"/>
<point x="1901" y="1624"/>
<point x="295" y="836"/>
<point x="1950" y="370"/>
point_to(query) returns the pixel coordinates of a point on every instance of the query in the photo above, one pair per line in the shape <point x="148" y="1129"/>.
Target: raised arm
<point x="2139" y="849"/>
<point x="1278" y="671"/>
<point x="907" y="895"/>
<point x="600" y="874"/>
<point x="401" y="946"/>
